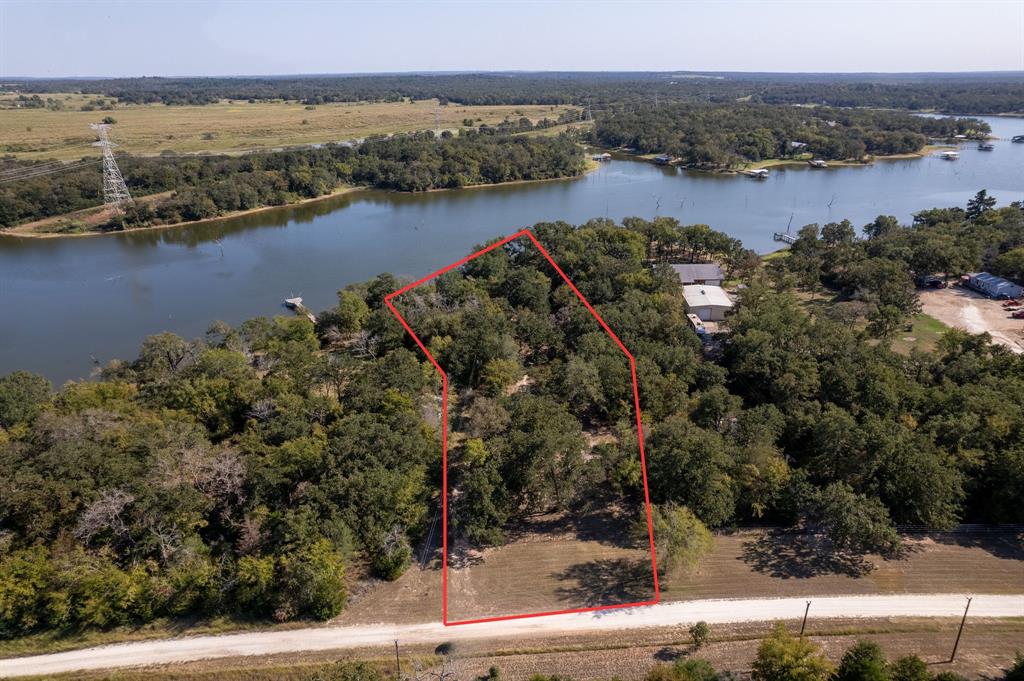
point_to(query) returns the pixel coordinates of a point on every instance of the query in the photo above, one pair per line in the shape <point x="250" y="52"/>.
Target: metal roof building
<point x="993" y="286"/>
<point x="699" y="273"/>
<point x="710" y="303"/>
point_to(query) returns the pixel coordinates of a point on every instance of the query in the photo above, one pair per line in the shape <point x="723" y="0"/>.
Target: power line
<point x="49" y="171"/>
<point x="115" y="191"/>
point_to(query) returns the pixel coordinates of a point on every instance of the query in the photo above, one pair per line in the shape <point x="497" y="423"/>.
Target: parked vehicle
<point x="931" y="281"/>
<point x="1019" y="314"/>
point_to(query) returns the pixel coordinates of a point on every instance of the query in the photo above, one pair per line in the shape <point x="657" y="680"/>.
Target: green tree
<point x="909" y="668"/>
<point x="980" y="204"/>
<point x="680" y="539"/>
<point x="1016" y="670"/>
<point x="863" y="661"/>
<point x="855" y="522"/>
<point x="784" y="657"/>
<point x="22" y="395"/>
<point x="700" y="634"/>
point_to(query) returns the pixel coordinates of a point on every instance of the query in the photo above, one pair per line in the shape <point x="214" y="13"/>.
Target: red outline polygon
<point x="444" y="437"/>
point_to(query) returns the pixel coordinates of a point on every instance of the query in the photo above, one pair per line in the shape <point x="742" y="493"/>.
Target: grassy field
<point x="923" y="335"/>
<point x="230" y="126"/>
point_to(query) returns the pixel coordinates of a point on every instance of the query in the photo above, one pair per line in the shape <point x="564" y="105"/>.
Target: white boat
<point x="949" y="155"/>
<point x="758" y="174"/>
<point x="293" y="302"/>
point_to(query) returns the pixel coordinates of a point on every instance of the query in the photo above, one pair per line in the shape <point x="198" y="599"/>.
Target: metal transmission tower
<point x="115" y="191"/>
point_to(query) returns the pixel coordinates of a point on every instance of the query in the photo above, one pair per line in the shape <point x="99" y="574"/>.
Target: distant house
<point x="709" y="303"/>
<point x="699" y="273"/>
<point x="993" y="286"/>
<point x="797" y="145"/>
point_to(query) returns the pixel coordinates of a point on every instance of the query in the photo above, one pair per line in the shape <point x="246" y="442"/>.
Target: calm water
<point x="66" y="302"/>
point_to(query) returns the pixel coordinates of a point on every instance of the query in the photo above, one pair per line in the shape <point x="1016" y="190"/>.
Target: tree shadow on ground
<point x="1008" y="545"/>
<point x="608" y="526"/>
<point x="789" y="556"/>
<point x="607" y="581"/>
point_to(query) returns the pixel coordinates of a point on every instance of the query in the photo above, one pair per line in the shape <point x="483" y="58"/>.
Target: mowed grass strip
<point x="232" y="127"/>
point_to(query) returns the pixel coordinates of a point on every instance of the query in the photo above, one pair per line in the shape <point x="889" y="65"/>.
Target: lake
<point x="67" y="304"/>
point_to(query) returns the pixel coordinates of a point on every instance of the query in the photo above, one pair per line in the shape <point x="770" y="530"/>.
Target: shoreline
<point x="35" y="234"/>
<point x="924" y="152"/>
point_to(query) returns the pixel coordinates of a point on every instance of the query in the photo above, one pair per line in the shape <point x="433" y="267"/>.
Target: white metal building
<point x="710" y="303"/>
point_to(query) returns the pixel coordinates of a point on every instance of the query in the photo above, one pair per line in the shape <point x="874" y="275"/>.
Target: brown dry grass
<point x="149" y="129"/>
<point x="523" y="576"/>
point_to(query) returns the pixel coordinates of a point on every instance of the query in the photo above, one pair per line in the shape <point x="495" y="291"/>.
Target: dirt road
<point x="962" y="308"/>
<point x="665" y="614"/>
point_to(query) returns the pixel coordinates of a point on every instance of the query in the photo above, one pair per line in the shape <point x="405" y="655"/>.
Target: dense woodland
<point x="978" y="93"/>
<point x="716" y="136"/>
<point x="264" y="468"/>
<point x="207" y="186"/>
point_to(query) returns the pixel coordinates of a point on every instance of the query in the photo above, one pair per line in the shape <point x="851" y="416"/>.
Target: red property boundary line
<point x="444" y="436"/>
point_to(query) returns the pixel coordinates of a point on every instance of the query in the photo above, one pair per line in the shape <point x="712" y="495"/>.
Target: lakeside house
<point x="993" y="286"/>
<point x="797" y="145"/>
<point x="709" y="303"/>
<point x="601" y="157"/>
<point x="706" y="273"/>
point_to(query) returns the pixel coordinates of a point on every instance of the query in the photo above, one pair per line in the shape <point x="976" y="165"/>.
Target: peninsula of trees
<point x="721" y="136"/>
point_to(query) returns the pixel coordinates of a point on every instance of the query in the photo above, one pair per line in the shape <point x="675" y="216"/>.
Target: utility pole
<point x="115" y="191"/>
<point x="398" y="663"/>
<point x="804" y="624"/>
<point x="961" y="631"/>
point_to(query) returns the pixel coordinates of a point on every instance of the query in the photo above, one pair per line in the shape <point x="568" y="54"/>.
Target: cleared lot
<point x="741" y="564"/>
<point x="962" y="308"/>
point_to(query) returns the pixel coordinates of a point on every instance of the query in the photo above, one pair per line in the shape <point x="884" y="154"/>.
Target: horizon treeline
<point x="981" y="93"/>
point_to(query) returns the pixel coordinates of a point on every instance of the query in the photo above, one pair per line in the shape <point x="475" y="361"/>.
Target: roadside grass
<point x="57" y="641"/>
<point x="986" y="649"/>
<point x="233" y="126"/>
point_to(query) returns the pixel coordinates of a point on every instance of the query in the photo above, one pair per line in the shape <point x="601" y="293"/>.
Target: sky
<point x="193" y="38"/>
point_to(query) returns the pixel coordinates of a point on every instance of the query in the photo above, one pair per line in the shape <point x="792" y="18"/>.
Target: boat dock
<point x="296" y="305"/>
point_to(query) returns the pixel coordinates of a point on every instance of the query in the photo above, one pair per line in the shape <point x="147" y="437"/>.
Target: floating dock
<point x="296" y="304"/>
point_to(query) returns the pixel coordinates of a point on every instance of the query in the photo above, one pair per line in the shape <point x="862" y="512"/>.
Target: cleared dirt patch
<point x="962" y="308"/>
